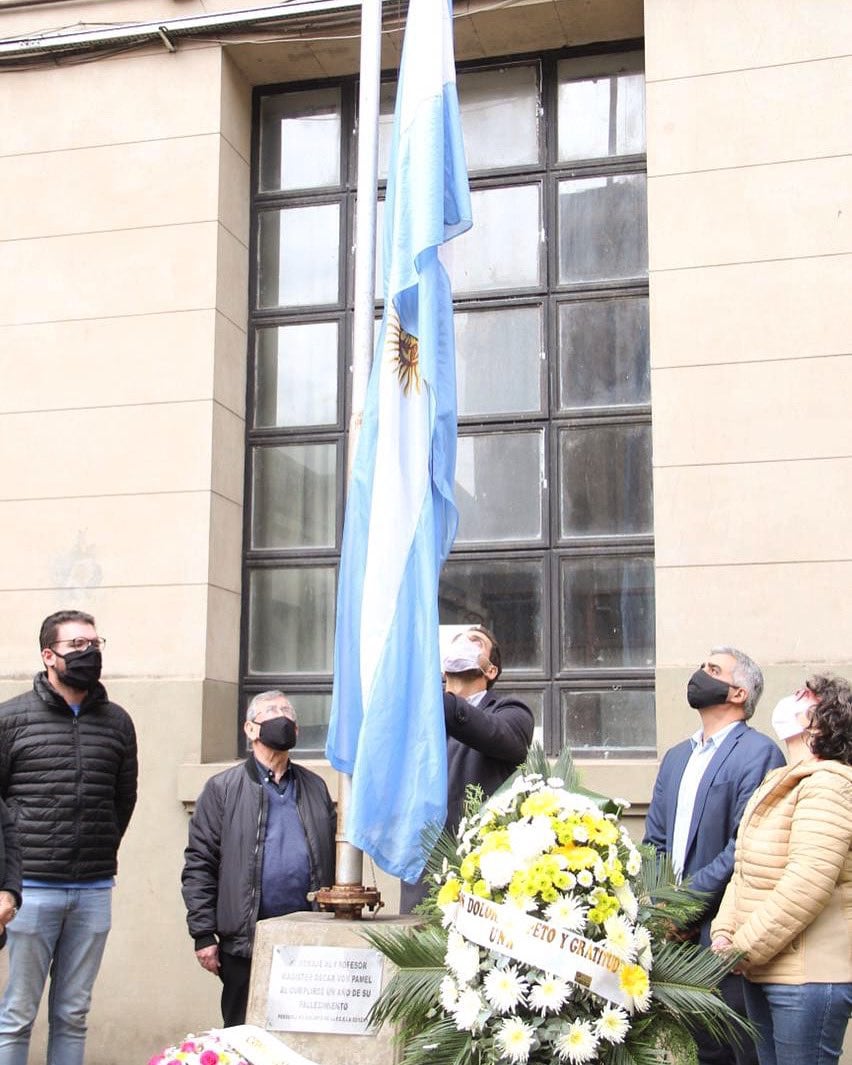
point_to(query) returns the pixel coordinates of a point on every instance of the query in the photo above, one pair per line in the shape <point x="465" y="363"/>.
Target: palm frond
<point x="408" y="947"/>
<point x="440" y="1043"/>
<point x="662" y="899"/>
<point x="409" y="999"/>
<point x="410" y="995"/>
<point x="660" y="1041"/>
<point x="685" y="978"/>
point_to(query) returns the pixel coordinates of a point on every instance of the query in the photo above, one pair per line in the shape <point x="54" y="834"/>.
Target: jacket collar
<point x="96" y="697"/>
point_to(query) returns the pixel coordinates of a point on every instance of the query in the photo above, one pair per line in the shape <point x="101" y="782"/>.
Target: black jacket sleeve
<point x="502" y="729"/>
<point x="10" y="880"/>
<point x="200" y="877"/>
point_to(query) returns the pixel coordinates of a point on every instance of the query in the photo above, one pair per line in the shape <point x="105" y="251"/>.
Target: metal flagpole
<point x="348" y="897"/>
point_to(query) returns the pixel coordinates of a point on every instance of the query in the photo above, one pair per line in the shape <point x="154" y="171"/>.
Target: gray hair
<point x="747" y="673"/>
<point x="258" y="702"/>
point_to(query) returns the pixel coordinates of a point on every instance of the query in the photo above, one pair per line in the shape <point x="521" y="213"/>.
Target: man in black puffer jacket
<point x="68" y="771"/>
<point x="261" y="838"/>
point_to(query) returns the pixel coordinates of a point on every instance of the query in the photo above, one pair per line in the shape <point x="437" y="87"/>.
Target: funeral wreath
<point x="547" y="939"/>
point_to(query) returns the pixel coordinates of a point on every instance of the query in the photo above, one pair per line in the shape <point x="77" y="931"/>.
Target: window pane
<point x="291" y="620"/>
<point x="507" y="597"/>
<point x="300" y="140"/>
<point x="608" y="723"/>
<point x="500" y="117"/>
<point x="503" y="249"/>
<point x="313" y="711"/>
<point x="605" y="480"/>
<point x="607" y="613"/>
<point x="299" y="251"/>
<point x="600" y="117"/>
<point x="603" y="228"/>
<point x="295" y="496"/>
<point x="296" y="375"/>
<point x="499" y="360"/>
<point x="603" y="353"/>
<point x="387" y="102"/>
<point x="499" y="479"/>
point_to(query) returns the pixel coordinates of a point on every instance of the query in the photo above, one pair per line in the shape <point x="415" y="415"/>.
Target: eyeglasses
<point x="82" y="643"/>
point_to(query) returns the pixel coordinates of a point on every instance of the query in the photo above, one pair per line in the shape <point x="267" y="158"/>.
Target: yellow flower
<point x="633" y="980"/>
<point x="449" y="892"/>
<point x="468" y="867"/>
<point x="578" y="857"/>
<point x="601" y="831"/>
<point x="481" y="888"/>
<point x="539" y="803"/>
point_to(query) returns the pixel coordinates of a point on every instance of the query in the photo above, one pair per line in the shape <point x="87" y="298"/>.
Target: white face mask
<point x="790" y="716"/>
<point x="462" y="657"/>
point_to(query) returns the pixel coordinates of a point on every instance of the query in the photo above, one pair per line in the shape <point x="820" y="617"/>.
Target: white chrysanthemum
<point x="599" y="871"/>
<point x="449" y="994"/>
<point x="581" y="803"/>
<point x="619" y="938"/>
<point x="644" y="953"/>
<point x="577" y="1044"/>
<point x="580" y="834"/>
<point x="568" y="913"/>
<point x="549" y="994"/>
<point x="642" y="1003"/>
<point x="515" y="1039"/>
<point x="612" y="1025"/>
<point x="634" y="863"/>
<point x="497" y="868"/>
<point x="585" y="878"/>
<point x="521" y="903"/>
<point x="627" y="900"/>
<point x="462" y="957"/>
<point x="469" y="1010"/>
<point x="555" y="782"/>
<point x="530" y="839"/>
<point x="448" y="914"/>
<point x="505" y="988"/>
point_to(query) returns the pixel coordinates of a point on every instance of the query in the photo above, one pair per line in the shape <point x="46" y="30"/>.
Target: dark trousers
<point x="711" y="1052"/>
<point x="234" y="972"/>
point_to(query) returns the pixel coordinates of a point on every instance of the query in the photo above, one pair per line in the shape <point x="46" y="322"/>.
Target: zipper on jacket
<point x="255" y="895"/>
<point x="78" y="753"/>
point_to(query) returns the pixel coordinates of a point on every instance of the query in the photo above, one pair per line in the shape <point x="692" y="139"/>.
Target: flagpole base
<point x="347" y="901"/>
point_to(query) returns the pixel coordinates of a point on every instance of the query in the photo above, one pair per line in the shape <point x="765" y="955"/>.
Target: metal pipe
<point x="350" y="863"/>
<point x="44" y="43"/>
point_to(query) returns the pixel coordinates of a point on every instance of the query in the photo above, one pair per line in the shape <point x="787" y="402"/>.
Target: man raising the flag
<point x="387" y="719"/>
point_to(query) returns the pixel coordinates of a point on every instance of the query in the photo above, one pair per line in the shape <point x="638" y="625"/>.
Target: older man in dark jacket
<point x="261" y="838"/>
<point x="68" y="772"/>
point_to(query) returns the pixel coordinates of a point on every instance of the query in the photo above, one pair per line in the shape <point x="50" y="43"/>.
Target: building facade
<point x="653" y="342"/>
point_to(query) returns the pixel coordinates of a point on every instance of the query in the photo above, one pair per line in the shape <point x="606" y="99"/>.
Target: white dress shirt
<point x="702" y="752"/>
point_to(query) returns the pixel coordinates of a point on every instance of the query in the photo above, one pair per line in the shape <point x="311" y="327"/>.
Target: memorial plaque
<point x="322" y="989"/>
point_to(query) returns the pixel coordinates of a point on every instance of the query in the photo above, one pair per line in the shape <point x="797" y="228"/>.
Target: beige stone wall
<point x="750" y="229"/>
<point x="123" y="252"/>
<point x="122" y="356"/>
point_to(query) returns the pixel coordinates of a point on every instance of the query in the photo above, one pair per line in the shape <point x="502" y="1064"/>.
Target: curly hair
<point x="829" y="732"/>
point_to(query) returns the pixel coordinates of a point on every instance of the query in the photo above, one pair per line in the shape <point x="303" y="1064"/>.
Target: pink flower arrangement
<point x="205" y="1049"/>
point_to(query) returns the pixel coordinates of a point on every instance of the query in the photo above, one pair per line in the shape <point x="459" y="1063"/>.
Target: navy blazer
<point x="735" y="770"/>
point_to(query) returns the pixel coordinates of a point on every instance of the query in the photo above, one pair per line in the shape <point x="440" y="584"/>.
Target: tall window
<point x="553" y="484"/>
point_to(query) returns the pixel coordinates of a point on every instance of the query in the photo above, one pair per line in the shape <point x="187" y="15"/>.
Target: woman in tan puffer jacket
<point x="788" y="906"/>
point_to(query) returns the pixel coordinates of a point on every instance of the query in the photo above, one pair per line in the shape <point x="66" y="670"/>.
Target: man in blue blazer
<point x="699" y="796"/>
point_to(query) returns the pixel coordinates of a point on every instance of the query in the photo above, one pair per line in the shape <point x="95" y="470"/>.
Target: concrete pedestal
<point x="320" y="930"/>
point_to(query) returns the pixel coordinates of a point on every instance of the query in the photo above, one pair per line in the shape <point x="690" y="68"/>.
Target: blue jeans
<point x="799" y="1024"/>
<point x="63" y="931"/>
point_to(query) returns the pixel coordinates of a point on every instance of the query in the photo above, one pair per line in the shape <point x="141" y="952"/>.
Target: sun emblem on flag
<point x="403" y="349"/>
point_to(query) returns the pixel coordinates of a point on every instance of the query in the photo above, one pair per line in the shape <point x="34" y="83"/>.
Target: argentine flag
<point x="387" y="719"/>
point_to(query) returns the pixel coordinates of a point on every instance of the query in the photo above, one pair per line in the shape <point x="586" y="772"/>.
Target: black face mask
<point x="703" y="690"/>
<point x="279" y="733"/>
<point x="82" y="669"/>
